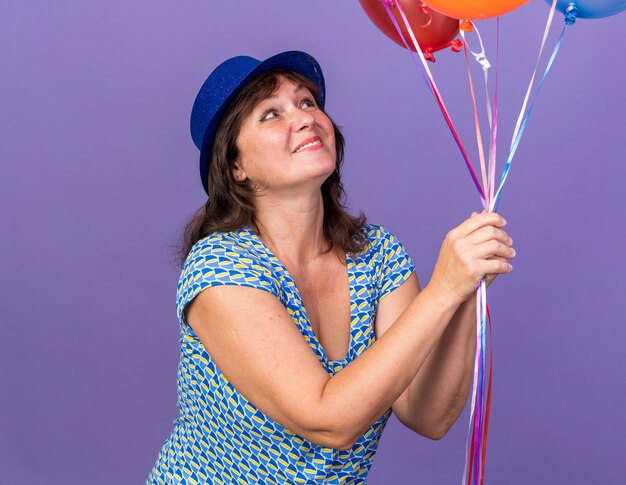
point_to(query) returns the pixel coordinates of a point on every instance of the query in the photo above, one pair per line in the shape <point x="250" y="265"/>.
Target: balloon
<point x="592" y="9"/>
<point x="475" y="9"/>
<point x="433" y="31"/>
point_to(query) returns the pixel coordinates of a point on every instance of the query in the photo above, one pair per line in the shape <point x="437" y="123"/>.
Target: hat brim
<point x="295" y="61"/>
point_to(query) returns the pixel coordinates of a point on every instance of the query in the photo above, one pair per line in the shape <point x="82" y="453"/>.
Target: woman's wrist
<point x="444" y="299"/>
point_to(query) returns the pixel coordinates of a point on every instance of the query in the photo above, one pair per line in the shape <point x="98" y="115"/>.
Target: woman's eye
<point x="269" y="114"/>
<point x="308" y="103"/>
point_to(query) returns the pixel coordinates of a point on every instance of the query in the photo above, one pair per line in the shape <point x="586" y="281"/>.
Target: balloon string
<point x="477" y="438"/>
<point x="507" y="166"/>
<point x="479" y="138"/>
<point x="480" y="410"/>
<point x="488" y="407"/>
<point x="484" y="416"/>
<point x="476" y="449"/>
<point x="532" y="79"/>
<point x="433" y="86"/>
<point x="479" y="415"/>
<point x="481" y="390"/>
<point x="481" y="58"/>
<point x="408" y="48"/>
<point x="475" y="435"/>
<point x="494" y="132"/>
<point x="469" y="449"/>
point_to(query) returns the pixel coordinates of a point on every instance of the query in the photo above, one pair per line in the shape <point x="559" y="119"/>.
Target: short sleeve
<point x="220" y="259"/>
<point x="395" y="263"/>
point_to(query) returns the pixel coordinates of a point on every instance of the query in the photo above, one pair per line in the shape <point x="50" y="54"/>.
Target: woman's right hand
<point x="475" y="249"/>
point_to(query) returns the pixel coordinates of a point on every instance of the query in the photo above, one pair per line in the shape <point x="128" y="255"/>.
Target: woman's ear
<point x="238" y="172"/>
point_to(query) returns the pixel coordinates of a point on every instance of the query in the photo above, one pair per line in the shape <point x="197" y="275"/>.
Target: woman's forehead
<point x="286" y="85"/>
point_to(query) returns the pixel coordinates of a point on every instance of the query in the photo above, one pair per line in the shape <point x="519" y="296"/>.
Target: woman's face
<point x="287" y="142"/>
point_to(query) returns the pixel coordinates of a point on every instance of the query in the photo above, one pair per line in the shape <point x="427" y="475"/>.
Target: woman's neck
<point x="292" y="228"/>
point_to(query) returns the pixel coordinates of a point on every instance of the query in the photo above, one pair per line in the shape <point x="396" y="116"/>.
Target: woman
<point x="303" y="327"/>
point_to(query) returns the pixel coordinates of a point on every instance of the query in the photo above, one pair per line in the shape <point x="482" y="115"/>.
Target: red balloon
<point x="433" y="30"/>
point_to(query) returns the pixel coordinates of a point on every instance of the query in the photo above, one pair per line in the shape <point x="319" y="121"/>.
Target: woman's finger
<point x="487" y="233"/>
<point x="476" y="222"/>
<point x="490" y="277"/>
<point x="493" y="248"/>
<point x="494" y="266"/>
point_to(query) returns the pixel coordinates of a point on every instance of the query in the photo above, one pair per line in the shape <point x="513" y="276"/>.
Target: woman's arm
<point x="436" y="396"/>
<point x="438" y="393"/>
<point x="252" y="339"/>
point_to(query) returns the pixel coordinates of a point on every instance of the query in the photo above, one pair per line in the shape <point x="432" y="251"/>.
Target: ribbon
<point x="481" y="58"/>
<point x="477" y="451"/>
<point x="494" y="132"/>
<point x="523" y="118"/>
<point x="430" y="81"/>
<point x="479" y="138"/>
<point x="476" y="447"/>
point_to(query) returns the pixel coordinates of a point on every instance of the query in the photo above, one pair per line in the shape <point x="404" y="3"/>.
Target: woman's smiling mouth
<point x="310" y="143"/>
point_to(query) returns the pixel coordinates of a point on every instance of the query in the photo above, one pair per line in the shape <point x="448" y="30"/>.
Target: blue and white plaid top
<point x="222" y="438"/>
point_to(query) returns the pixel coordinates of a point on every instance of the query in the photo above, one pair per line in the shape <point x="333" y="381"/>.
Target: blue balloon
<point x="592" y="9"/>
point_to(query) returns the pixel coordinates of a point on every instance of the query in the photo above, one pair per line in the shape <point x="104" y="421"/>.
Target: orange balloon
<point x="474" y="9"/>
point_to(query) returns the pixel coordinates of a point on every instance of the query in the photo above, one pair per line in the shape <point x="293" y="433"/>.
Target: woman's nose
<point x="302" y="119"/>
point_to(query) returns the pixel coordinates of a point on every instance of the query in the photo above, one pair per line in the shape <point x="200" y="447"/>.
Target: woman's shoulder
<point x="236" y="245"/>
<point x="378" y="238"/>
<point x="387" y="259"/>
<point x="224" y="258"/>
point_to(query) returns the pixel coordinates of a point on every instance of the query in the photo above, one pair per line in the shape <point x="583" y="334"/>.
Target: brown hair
<point x="230" y="205"/>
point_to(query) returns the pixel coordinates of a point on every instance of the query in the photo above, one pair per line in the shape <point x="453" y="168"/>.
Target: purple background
<point x="99" y="174"/>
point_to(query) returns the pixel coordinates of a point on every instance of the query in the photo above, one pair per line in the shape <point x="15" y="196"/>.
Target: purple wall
<point x="99" y="174"/>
